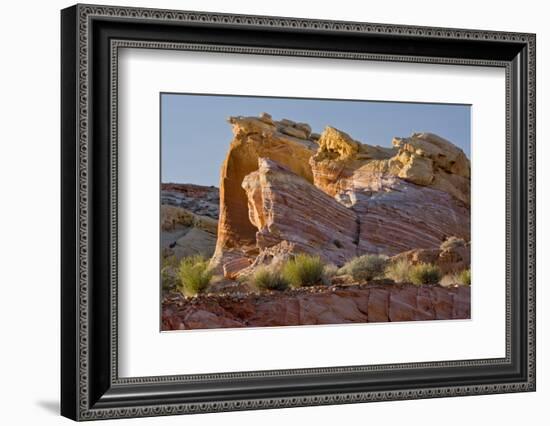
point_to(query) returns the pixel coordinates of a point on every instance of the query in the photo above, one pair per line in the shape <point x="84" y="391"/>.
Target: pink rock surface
<point x="320" y="305"/>
<point x="286" y="207"/>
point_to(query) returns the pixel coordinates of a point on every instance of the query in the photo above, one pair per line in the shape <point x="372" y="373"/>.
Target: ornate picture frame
<point x="91" y="37"/>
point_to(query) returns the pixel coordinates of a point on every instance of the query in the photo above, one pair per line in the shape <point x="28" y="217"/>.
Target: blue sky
<point x="195" y="134"/>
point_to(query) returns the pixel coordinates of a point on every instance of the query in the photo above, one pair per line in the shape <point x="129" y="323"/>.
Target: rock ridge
<point x="284" y="188"/>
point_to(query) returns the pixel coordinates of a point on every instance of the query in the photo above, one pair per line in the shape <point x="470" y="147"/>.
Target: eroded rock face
<point x="452" y="256"/>
<point x="425" y="159"/>
<point x="189" y="220"/>
<point x="402" y="216"/>
<point x="185" y="233"/>
<point x="198" y="199"/>
<point x="285" y="189"/>
<point x="414" y="195"/>
<point x="255" y="138"/>
<point x="356" y="304"/>
<point x="285" y="207"/>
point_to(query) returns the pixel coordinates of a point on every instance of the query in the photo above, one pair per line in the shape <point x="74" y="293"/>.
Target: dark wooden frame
<point x="90" y="386"/>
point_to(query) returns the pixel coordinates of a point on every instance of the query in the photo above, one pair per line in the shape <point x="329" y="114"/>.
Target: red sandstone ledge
<point x="316" y="306"/>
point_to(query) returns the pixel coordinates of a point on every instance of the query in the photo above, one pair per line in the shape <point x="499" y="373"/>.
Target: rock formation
<point x="284" y="189"/>
<point x="382" y="303"/>
<point x="413" y="195"/>
<point x="188" y="220"/>
<point x="452" y="256"/>
<point x="285" y="207"/>
<point x="201" y="200"/>
<point x="283" y="141"/>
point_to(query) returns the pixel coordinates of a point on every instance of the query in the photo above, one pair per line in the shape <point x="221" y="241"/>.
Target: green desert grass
<point x="267" y="279"/>
<point x="425" y="273"/>
<point x="366" y="267"/>
<point x="304" y="270"/>
<point x="465" y="277"/>
<point x="194" y="275"/>
<point x="399" y="271"/>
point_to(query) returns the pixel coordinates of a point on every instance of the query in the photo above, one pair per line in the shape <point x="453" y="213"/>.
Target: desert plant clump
<point x="425" y="273"/>
<point x="194" y="275"/>
<point x="399" y="271"/>
<point x="268" y="279"/>
<point x="366" y="267"/>
<point x="304" y="270"/>
<point x="329" y="272"/>
<point x="464" y="277"/>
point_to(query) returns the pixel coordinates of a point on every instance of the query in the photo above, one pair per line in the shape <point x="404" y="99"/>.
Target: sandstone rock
<point x="306" y="128"/>
<point x="286" y="207"/>
<point x="294" y="131"/>
<point x="274" y="256"/>
<point x="402" y="216"/>
<point x="378" y="305"/>
<point x="450" y="257"/>
<point x="405" y="197"/>
<point x="266" y="118"/>
<point x="354" y="304"/>
<point x="402" y="304"/>
<point x="444" y="154"/>
<point x="201" y="200"/>
<point x="416" y="169"/>
<point x="193" y="241"/>
<point x="233" y="267"/>
<point x="171" y="217"/>
<point x="425" y="159"/>
<point x="442" y="301"/>
<point x="413" y="195"/>
<point x="424" y="305"/>
<point x="314" y="136"/>
<point x="184" y="233"/>
<point x="335" y="144"/>
<point x="253" y="138"/>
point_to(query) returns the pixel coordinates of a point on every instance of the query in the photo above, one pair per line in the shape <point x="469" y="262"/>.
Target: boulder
<point x="285" y="207"/>
<point x="452" y="256"/>
<point x="293" y="131"/>
<point x="252" y="138"/>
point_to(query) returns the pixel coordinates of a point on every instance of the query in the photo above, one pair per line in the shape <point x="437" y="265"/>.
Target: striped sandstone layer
<point x="354" y="304"/>
<point x="284" y="189"/>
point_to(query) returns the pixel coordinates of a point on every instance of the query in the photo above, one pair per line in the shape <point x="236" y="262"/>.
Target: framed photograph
<point x="263" y="212"/>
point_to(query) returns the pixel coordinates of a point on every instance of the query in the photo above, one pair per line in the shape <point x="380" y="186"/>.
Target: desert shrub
<point x="425" y="273"/>
<point x="304" y="270"/>
<point x="464" y="277"/>
<point x="267" y="279"/>
<point x="329" y="272"/>
<point x="194" y="275"/>
<point x="399" y="271"/>
<point x="366" y="267"/>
